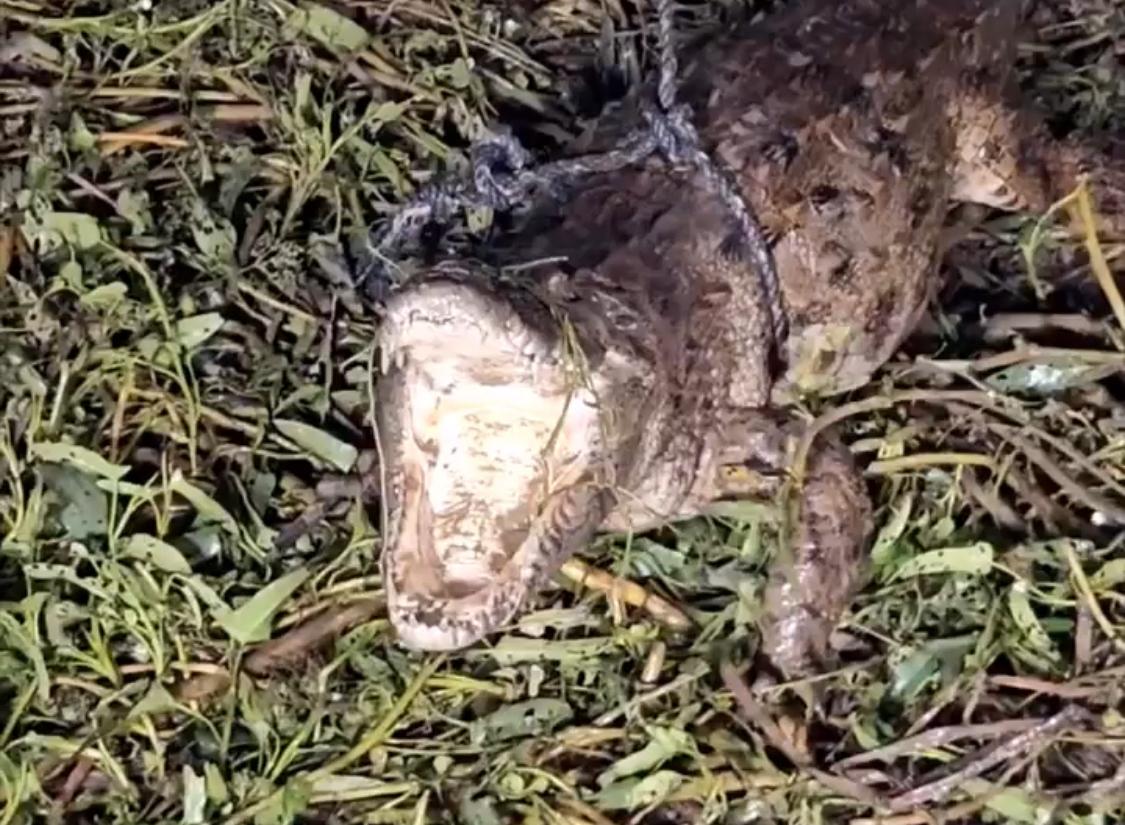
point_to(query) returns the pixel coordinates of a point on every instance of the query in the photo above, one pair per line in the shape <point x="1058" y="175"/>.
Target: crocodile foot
<point x="830" y="523"/>
<point x="809" y="590"/>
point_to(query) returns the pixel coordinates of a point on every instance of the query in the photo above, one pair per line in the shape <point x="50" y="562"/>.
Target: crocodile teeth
<point x="494" y="448"/>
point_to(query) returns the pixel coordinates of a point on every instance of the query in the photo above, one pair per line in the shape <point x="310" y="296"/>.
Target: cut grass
<point x="185" y="375"/>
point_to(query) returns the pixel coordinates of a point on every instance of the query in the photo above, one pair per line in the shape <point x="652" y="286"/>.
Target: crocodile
<point x="611" y="367"/>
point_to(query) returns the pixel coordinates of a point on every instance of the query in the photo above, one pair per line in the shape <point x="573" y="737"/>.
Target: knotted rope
<point x="668" y="129"/>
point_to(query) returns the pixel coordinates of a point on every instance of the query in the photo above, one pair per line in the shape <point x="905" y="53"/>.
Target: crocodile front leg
<point x="830" y="523"/>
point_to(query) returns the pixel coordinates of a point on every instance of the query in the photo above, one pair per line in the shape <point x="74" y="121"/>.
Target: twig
<point x="7" y="247"/>
<point x="275" y="653"/>
<point x="78" y="773"/>
<point x="1004" y="323"/>
<point x="1077" y="457"/>
<point x="1020" y="743"/>
<point x="954" y="813"/>
<point x="755" y="713"/>
<point x="1085" y="214"/>
<point x="1082" y="585"/>
<point x="1075" y="491"/>
<point x="1000" y="510"/>
<point x="934" y="738"/>
<point x="627" y="591"/>
<point x="1024" y="353"/>
<point x="919" y="460"/>
<point x="303" y="638"/>
<point x="375" y="737"/>
<point x="874" y="403"/>
<point x="152" y="131"/>
<point x="1066" y="690"/>
<point x="120" y="139"/>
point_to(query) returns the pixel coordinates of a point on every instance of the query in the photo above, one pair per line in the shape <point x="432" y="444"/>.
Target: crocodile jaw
<point x="488" y="449"/>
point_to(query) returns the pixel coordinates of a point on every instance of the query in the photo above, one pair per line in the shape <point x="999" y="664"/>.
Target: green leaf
<point x="460" y="74"/>
<point x="216" y="786"/>
<point x="330" y="28"/>
<point x="974" y="559"/>
<point x="389" y="170"/>
<point x="57" y="229"/>
<point x="284" y="809"/>
<point x="1012" y="803"/>
<point x="17" y="637"/>
<point x="133" y="205"/>
<point x="665" y="744"/>
<point x="750" y="512"/>
<point x="337" y="784"/>
<point x="206" y="506"/>
<point x="632" y="794"/>
<point x="388" y="112"/>
<point x="322" y="445"/>
<point x="1019" y="607"/>
<point x="85" y="511"/>
<point x="936" y="656"/>
<point x="157" y="700"/>
<point x="187" y="332"/>
<point x="1045" y="379"/>
<point x="151" y="549"/>
<point x="251" y="622"/>
<point x="512" y="650"/>
<point x="883" y="551"/>
<point x="195" y="797"/>
<point x="85" y="460"/>
<point x="193" y="331"/>
<point x="80" y="138"/>
<point x="521" y="720"/>
<point x="205" y="592"/>
<point x="70" y="274"/>
<point x="913" y="672"/>
<point x="1109" y="576"/>
<point x="105" y="296"/>
<point x="214" y="235"/>
<point x="126" y="488"/>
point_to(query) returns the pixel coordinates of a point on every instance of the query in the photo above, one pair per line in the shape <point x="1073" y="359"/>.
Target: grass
<point x="185" y="374"/>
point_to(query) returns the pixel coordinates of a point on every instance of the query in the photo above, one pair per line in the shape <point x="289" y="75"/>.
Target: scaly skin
<point x="614" y="381"/>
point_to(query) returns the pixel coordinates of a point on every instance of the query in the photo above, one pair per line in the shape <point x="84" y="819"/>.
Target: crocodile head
<point x="494" y="458"/>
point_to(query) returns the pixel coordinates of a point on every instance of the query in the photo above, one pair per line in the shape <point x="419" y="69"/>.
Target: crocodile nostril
<point x="825" y="359"/>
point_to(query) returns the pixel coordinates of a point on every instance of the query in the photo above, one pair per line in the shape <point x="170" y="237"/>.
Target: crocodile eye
<point x="623" y="320"/>
<point x="781" y="148"/>
<point x="823" y="194"/>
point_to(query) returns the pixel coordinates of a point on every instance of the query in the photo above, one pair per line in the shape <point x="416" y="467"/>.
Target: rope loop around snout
<point x="504" y="178"/>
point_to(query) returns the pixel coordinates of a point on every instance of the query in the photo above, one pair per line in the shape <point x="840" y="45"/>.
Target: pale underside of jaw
<point x="490" y="436"/>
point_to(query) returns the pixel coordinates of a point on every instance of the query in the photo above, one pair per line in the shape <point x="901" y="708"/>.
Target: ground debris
<point x="190" y="623"/>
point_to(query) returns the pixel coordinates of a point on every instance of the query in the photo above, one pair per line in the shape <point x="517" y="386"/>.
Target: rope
<point x="503" y="177"/>
<point x="683" y="144"/>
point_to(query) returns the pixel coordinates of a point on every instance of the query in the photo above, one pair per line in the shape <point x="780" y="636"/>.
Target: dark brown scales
<point x="851" y="128"/>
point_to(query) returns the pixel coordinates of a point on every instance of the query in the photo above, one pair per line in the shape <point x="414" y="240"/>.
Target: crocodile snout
<point x="485" y="437"/>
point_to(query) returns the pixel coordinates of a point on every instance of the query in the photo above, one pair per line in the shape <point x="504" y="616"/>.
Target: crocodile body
<point x="615" y="380"/>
